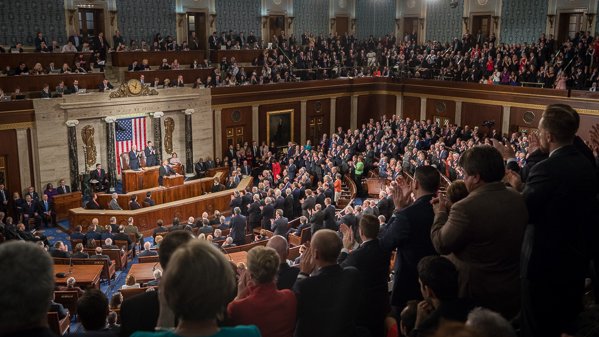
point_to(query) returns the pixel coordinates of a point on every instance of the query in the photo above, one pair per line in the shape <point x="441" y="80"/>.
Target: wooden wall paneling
<point x="443" y="109"/>
<point x="374" y="106"/>
<point x="411" y="107"/>
<point x="343" y="112"/>
<point x="235" y="120"/>
<point x="474" y="114"/>
<point x="319" y="109"/>
<point x="10" y="151"/>
<point x="586" y="123"/>
<point x="522" y="118"/>
<point x="295" y="106"/>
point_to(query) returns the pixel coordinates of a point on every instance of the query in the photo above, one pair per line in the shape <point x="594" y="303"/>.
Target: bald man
<point x="327" y="295"/>
<point x="287" y="275"/>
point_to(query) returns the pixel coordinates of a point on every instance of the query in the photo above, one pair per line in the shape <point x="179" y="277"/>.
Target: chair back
<point x="68" y="299"/>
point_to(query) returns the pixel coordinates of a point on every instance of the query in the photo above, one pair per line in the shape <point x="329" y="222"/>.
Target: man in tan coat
<point x="482" y="234"/>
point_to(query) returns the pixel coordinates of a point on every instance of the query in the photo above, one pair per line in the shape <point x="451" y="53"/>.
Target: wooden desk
<point x="143" y="272"/>
<point x="145" y="218"/>
<point x="161" y="195"/>
<point x="172" y="181"/>
<point x="64" y="202"/>
<point x="375" y="186"/>
<point x="238" y="257"/>
<point x="30" y="59"/>
<point x="29" y="83"/>
<point x="125" y="58"/>
<point x="145" y="178"/>
<point x="87" y="276"/>
<point x="243" y="55"/>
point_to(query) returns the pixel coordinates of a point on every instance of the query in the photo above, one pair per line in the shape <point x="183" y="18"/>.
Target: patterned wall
<point x="523" y="21"/>
<point x="139" y="20"/>
<point x="21" y="20"/>
<point x="238" y="15"/>
<point x="443" y="23"/>
<point x="375" y="17"/>
<point x="311" y="16"/>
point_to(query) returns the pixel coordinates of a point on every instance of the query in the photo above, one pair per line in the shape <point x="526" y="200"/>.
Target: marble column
<point x="188" y="142"/>
<point x="218" y="128"/>
<point x="423" y="108"/>
<point x="399" y="105"/>
<point x="73" y="160"/>
<point x="255" y="124"/>
<point x="110" y="151"/>
<point x="353" y="122"/>
<point x="157" y="131"/>
<point x="333" y="116"/>
<point x="303" y="109"/>
<point x="458" y="112"/>
<point x="505" y="124"/>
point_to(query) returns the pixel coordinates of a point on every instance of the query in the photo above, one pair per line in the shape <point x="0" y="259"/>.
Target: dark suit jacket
<point x="327" y="302"/>
<point x="281" y="226"/>
<point x="317" y="221"/>
<point x="409" y="232"/>
<point x="164" y="171"/>
<point x="67" y="189"/>
<point x="139" y="313"/>
<point x="268" y="212"/>
<point x="308" y="204"/>
<point x="92" y="205"/>
<point x="133" y="161"/>
<point x="373" y="263"/>
<point x="286" y="276"/>
<point x="98" y="176"/>
<point x="41" y="207"/>
<point x="238" y="229"/>
<point x="329" y="218"/>
<point x="254" y="213"/>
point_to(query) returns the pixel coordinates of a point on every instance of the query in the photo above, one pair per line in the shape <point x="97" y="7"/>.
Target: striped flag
<point x="129" y="132"/>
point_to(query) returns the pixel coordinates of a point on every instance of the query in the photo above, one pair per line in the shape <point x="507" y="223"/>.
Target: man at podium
<point x="98" y="178"/>
<point x="165" y="170"/>
<point x="134" y="158"/>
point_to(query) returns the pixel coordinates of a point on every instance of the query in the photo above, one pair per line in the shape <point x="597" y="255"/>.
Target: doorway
<point x="276" y="26"/>
<point x="196" y="22"/>
<point x="315" y="129"/>
<point x="341" y="25"/>
<point x="569" y="25"/>
<point x="91" y="22"/>
<point x="410" y="26"/>
<point x="482" y="24"/>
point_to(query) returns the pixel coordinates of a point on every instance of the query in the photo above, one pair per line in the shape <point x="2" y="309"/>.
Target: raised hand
<point x="307" y="262"/>
<point x="514" y="179"/>
<point x="348" y="239"/>
<point x="506" y="151"/>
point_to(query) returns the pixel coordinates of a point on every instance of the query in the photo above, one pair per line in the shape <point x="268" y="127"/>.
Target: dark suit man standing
<point x="326" y="293"/>
<point x="329" y="215"/>
<point x="408" y="232"/>
<point x="164" y="171"/>
<point x="268" y="213"/>
<point x="150" y="153"/>
<point x="238" y="224"/>
<point x="62" y="188"/>
<point x="133" y="158"/>
<point x="560" y="194"/>
<point x="373" y="263"/>
<point x="287" y="275"/>
<point x="3" y="199"/>
<point x="254" y="212"/>
<point x="280" y="225"/>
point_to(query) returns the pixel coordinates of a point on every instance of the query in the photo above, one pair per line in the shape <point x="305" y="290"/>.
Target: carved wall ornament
<point x="169" y="127"/>
<point x="133" y="88"/>
<point x="87" y="135"/>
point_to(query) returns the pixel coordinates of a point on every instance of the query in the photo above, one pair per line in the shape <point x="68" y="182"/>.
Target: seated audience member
<point x="28" y="314"/>
<point x="133" y="204"/>
<point x="148" y="250"/>
<point x="93" y="204"/>
<point x="107" y="233"/>
<point x="140" y="312"/>
<point x="157" y="240"/>
<point x="69" y="48"/>
<point x="323" y="288"/>
<point x="92" y="234"/>
<point x="261" y="236"/>
<point x="111" y="320"/>
<point x="78" y="252"/>
<point x="122" y="236"/>
<point x="92" y="310"/>
<point x="131" y="228"/>
<point x="198" y="84"/>
<point x="60" y="89"/>
<point x="456" y="191"/>
<point x="489" y="269"/>
<point x="373" y="263"/>
<point x="489" y="323"/>
<point x="222" y="223"/>
<point x="180" y="83"/>
<point x="206" y="228"/>
<point x="157" y="277"/>
<point x="130" y="282"/>
<point x="71" y="286"/>
<point x="59" y="309"/>
<point x="45" y="93"/>
<point x="160" y="228"/>
<point x="286" y="275"/>
<point x="228" y="243"/>
<point x="438" y="277"/>
<point x="59" y="250"/>
<point x="99" y="255"/>
<point x="108" y="244"/>
<point x="408" y="318"/>
<point x="114" y="203"/>
<point x="105" y="85"/>
<point x="218" y="235"/>
<point x="258" y="301"/>
<point x="198" y="308"/>
<point x="115" y="301"/>
<point x="303" y="224"/>
<point x="148" y="200"/>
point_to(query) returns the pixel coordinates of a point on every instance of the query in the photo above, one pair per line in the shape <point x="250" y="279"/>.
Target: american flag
<point x="129" y="132"/>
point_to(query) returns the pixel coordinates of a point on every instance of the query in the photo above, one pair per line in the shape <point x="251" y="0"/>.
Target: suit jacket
<point x="133" y="205"/>
<point x="114" y="204"/>
<point x="286" y="276"/>
<point x="148" y="253"/>
<point x="483" y="236"/>
<point x="149" y="201"/>
<point x="238" y="229"/>
<point x="80" y="255"/>
<point x="317" y="221"/>
<point x="164" y="171"/>
<point x="254" y="212"/>
<point x="326" y="302"/>
<point x="373" y="263"/>
<point x="42" y="207"/>
<point x="150" y="157"/>
<point x="329" y="218"/>
<point x="408" y="232"/>
<point x="133" y="161"/>
<point x="139" y="313"/>
<point x="308" y="204"/>
<point x="92" y="205"/>
<point x="98" y="176"/>
<point x="268" y="212"/>
<point x="560" y="195"/>
<point x="65" y="190"/>
<point x="281" y="226"/>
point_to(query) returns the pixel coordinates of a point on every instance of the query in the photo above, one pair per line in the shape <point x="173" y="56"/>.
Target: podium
<point x="375" y="186"/>
<point x="175" y="180"/>
<point x="64" y="202"/>
<point x="142" y="179"/>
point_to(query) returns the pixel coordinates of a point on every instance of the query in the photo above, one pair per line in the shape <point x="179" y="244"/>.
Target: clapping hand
<point x="423" y="310"/>
<point x="440" y="203"/>
<point x="514" y="179"/>
<point x="243" y="287"/>
<point x="307" y="262"/>
<point x="401" y="193"/>
<point x="348" y="239"/>
<point x="506" y="151"/>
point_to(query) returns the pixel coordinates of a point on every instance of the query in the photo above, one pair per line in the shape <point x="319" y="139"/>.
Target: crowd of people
<point x="534" y="195"/>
